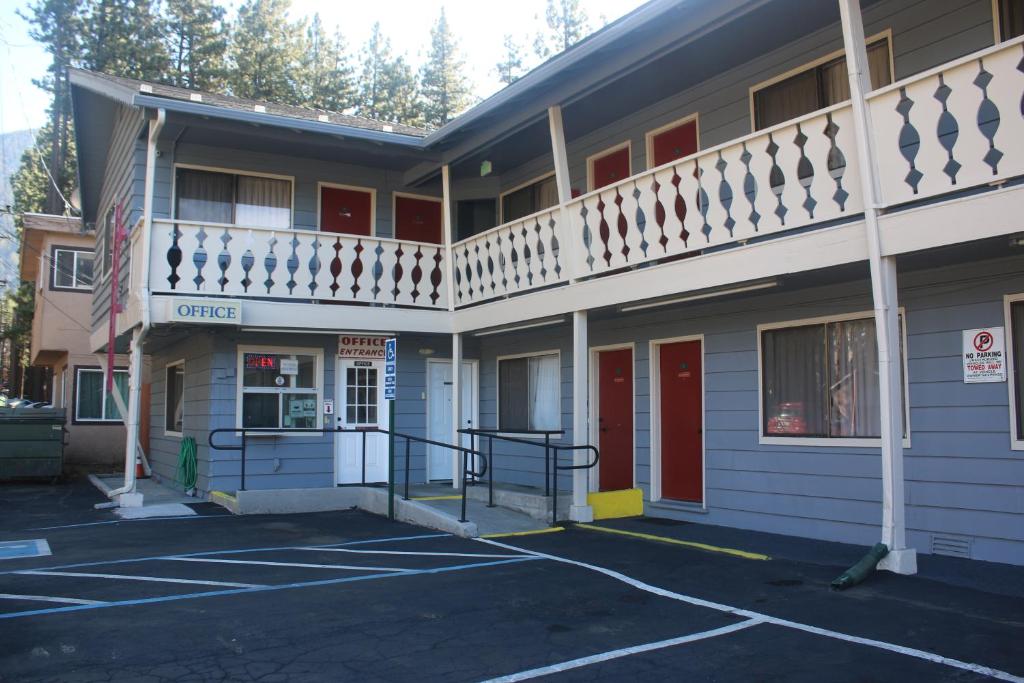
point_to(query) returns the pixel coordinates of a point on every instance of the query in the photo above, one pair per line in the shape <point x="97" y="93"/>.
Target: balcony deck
<point x="935" y="135"/>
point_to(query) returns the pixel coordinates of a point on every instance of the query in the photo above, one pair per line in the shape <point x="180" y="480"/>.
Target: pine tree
<point x="196" y="42"/>
<point x="57" y="25"/>
<point x="445" y="89"/>
<point x="512" y="66"/>
<point x="400" y="100"/>
<point x="567" y="24"/>
<point x="327" y="76"/>
<point x="266" y="52"/>
<point x="372" y="82"/>
<point x="125" y="38"/>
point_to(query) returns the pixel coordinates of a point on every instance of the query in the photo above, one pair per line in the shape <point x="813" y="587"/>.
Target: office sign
<point x="361" y="346"/>
<point x="984" y="355"/>
<point x="206" y="311"/>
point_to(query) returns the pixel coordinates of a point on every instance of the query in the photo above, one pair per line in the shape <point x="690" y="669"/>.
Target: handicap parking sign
<point x="390" y="368"/>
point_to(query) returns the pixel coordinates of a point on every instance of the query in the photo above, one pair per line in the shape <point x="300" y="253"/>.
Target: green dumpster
<point x="32" y="442"/>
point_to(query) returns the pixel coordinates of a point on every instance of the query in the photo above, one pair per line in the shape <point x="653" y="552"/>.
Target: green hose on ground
<point x="187" y="470"/>
<point x="861" y="570"/>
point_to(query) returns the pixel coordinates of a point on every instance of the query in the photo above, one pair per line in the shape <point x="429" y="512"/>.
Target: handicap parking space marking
<point x="131" y="577"/>
<point x="90" y="605"/>
<point x="303" y="565"/>
<point x="36" y="547"/>
<point x="764" y="618"/>
<point x="48" y="598"/>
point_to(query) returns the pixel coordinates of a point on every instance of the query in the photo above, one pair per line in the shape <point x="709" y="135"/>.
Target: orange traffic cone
<point x="140" y="471"/>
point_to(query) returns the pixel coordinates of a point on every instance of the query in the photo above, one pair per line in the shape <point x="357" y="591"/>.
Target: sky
<point x="480" y="26"/>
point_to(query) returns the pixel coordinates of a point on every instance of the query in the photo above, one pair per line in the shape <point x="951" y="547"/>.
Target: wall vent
<point x="951" y="546"/>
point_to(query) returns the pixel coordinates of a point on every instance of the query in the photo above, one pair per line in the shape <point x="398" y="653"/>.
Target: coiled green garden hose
<point x="187" y="471"/>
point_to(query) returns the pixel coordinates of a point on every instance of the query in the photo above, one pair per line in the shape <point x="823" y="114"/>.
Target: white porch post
<point x="456" y="407"/>
<point x="446" y="218"/>
<point x="901" y="559"/>
<point x="564" y="184"/>
<point x="131" y="498"/>
<point x="580" y="510"/>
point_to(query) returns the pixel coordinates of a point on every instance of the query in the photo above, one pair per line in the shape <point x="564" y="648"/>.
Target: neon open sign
<point x="260" y="361"/>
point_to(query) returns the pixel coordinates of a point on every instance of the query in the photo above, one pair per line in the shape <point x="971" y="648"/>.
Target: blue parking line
<point x="228" y="552"/>
<point x="264" y="589"/>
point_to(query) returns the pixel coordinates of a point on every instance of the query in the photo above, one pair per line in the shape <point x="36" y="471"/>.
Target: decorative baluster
<point x="292" y="263"/>
<point x="377" y="270"/>
<point x="540" y="251"/>
<point x="909" y="140"/>
<point x="435" y="276"/>
<point x="224" y="259"/>
<point x="555" y="247"/>
<point x="805" y="172"/>
<point x="174" y="257"/>
<point x="988" y="116"/>
<point x="680" y="207"/>
<point x="468" y="270"/>
<point x="604" y="230"/>
<point x="514" y="256"/>
<point x="725" y="194"/>
<point x="659" y="214"/>
<point x="490" y="265"/>
<point x="502" y="262"/>
<point x="199" y="259"/>
<point x="314" y="266"/>
<point x="397" y="272"/>
<point x="588" y="235"/>
<point x="836" y="162"/>
<point x="776" y="179"/>
<point x="750" y="188"/>
<point x="527" y="256"/>
<point x="357" y="268"/>
<point x="641" y="220"/>
<point x="270" y="262"/>
<point x="417" y="273"/>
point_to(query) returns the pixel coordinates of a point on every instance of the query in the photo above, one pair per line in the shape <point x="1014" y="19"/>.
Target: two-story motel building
<point x="735" y="244"/>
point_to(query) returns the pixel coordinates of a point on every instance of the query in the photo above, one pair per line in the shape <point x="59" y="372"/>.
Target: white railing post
<point x="446" y="217"/>
<point x="567" y="244"/>
<point x="901" y="559"/>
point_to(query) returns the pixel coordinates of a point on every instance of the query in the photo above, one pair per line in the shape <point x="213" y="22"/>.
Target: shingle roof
<point x="258" y="106"/>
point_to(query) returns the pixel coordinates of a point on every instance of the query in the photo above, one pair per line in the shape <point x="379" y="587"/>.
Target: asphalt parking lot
<point x="351" y="596"/>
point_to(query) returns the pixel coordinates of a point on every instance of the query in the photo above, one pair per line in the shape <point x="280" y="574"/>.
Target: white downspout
<point x="128" y="497"/>
<point x="901" y="559"/>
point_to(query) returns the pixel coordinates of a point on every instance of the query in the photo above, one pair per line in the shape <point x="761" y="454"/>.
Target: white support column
<point x="580" y="510"/>
<point x="564" y="184"/>
<point x="456" y="407"/>
<point x="901" y="559"/>
<point x="446" y="217"/>
<point x="132" y="498"/>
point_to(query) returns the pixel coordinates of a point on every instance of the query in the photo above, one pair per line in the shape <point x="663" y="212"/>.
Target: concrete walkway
<point x="157" y="500"/>
<point x="488" y="520"/>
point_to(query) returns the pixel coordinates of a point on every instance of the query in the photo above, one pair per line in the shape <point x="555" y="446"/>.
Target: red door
<point x="674" y="143"/>
<point x="418" y="220"/>
<point x="682" y="466"/>
<point x="615" y="419"/>
<point x="611" y="168"/>
<point x="346" y="211"/>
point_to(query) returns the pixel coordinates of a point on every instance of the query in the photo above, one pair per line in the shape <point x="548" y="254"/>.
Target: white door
<point x="439" y="408"/>
<point x="360" y="405"/>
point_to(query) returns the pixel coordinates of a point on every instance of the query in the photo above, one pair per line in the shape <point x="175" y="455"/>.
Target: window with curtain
<point x="280" y="390"/>
<point x="528" y="393"/>
<point x="174" y="398"/>
<point x="92" y="402"/>
<point x="72" y="269"/>
<point x="215" y="197"/>
<point x="1017" y="341"/>
<point x="1011" y="18"/>
<point x="535" y="197"/>
<point x="816" y="88"/>
<point x="821" y="380"/>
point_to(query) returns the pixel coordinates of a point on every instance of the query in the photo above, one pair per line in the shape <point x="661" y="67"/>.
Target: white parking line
<point x="623" y="652"/>
<point x="404" y="552"/>
<point x="286" y="564"/>
<point x="128" y="577"/>
<point x="48" y="598"/>
<point x="672" y="595"/>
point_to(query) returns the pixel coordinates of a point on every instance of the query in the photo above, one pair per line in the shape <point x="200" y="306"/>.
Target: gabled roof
<point x="144" y="93"/>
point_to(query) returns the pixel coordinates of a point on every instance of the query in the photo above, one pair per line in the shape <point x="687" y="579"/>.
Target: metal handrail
<point x="554" y="476"/>
<point x="467" y="470"/>
<point x="492" y="434"/>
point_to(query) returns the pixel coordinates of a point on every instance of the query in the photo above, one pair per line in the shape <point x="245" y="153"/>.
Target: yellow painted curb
<point x="226" y="497"/>
<point x="675" y="541"/>
<point x="616" y="504"/>
<point x="436" y="498"/>
<point x="549" y="530"/>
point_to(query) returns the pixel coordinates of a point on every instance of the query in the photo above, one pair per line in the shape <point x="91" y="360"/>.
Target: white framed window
<point x="92" y="401"/>
<point x="229" y="197"/>
<point x="279" y="388"/>
<point x="818" y="381"/>
<point x="1013" y="307"/>
<point x="817" y="85"/>
<point x="529" y="392"/>
<point x="174" y="398"/>
<point x="71" y="269"/>
<point x="529" y="198"/>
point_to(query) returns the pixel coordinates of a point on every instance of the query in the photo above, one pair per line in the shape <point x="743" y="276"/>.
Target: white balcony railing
<point x="511" y="258"/>
<point x="951" y="128"/>
<point x="196" y="259"/>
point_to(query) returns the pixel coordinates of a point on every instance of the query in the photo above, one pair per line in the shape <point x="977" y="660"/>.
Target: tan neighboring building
<point x="58" y="255"/>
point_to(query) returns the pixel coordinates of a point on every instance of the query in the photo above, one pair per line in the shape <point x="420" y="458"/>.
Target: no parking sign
<point x="984" y="355"/>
